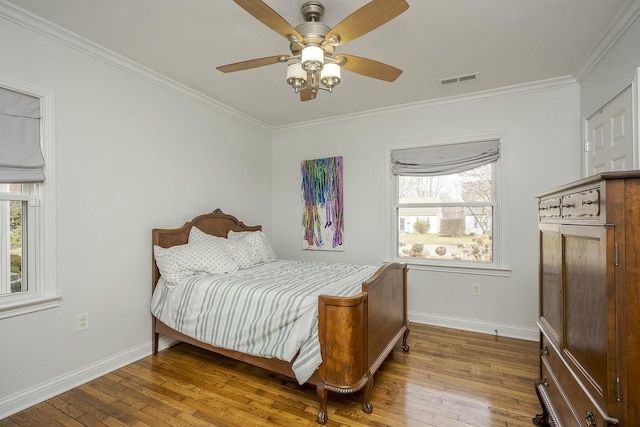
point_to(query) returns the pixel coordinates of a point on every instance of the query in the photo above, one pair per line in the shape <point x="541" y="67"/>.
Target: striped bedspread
<point x="270" y="310"/>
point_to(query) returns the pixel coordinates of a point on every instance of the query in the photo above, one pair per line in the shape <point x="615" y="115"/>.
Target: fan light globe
<point x="330" y="75"/>
<point x="296" y="76"/>
<point x="312" y="58"/>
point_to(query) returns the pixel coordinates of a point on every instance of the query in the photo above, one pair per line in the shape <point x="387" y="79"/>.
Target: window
<point x="14" y="239"/>
<point x="446" y="210"/>
<point x="27" y="258"/>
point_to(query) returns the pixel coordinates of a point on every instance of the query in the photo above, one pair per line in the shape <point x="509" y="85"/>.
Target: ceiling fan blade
<point x="368" y="67"/>
<point x="307" y="95"/>
<point x="269" y="17"/>
<point x="366" y="19"/>
<point x="253" y="63"/>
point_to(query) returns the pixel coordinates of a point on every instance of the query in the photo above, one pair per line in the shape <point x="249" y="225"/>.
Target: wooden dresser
<point x="590" y="302"/>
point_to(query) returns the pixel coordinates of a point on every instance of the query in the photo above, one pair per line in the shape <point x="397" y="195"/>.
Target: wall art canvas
<point x="322" y="215"/>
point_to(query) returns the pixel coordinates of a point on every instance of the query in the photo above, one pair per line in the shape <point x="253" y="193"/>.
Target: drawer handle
<point x="587" y="202"/>
<point x="591" y="421"/>
<point x="545" y="351"/>
<point x="545" y="382"/>
<point x="567" y="205"/>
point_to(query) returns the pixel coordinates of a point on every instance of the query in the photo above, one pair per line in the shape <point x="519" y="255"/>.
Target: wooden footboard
<point x="356" y="333"/>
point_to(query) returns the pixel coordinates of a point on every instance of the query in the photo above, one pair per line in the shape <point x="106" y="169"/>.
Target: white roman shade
<point x="444" y="159"/>
<point x="21" y="158"/>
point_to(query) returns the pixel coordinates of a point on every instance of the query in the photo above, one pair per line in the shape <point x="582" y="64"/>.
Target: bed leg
<point x="405" y="346"/>
<point x="155" y="342"/>
<point x="322" y="395"/>
<point x="367" y="407"/>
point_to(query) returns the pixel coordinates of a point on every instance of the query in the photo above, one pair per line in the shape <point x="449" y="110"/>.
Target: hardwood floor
<point x="449" y="378"/>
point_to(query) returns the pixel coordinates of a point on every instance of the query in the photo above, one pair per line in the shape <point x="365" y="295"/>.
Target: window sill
<point x="459" y="268"/>
<point x="18" y="307"/>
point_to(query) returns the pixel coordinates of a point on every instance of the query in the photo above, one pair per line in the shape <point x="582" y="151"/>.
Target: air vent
<point x="459" y="79"/>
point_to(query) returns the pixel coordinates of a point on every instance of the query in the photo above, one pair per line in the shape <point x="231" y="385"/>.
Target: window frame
<point x="41" y="291"/>
<point x="500" y="263"/>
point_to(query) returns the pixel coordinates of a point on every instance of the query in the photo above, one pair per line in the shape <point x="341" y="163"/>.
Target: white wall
<point x="131" y="156"/>
<point x="541" y="127"/>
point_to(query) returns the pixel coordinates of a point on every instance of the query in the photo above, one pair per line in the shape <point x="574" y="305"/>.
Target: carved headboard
<point x="215" y="223"/>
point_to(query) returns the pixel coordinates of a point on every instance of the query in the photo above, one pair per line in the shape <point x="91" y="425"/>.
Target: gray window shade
<point x="444" y="159"/>
<point x="21" y="158"/>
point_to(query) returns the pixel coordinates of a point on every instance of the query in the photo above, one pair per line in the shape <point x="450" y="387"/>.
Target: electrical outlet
<point x="475" y="289"/>
<point x="82" y="322"/>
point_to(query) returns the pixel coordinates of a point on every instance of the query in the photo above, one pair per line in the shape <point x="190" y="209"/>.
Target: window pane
<point x="17" y="209"/>
<point x="12" y="238"/>
<point x="446" y="233"/>
<point x="470" y="186"/>
<point x="15" y="188"/>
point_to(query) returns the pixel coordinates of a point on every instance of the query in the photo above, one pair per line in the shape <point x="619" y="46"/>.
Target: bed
<point x="353" y="332"/>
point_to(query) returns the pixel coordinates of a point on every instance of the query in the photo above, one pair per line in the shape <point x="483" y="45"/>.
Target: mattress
<point x="269" y="310"/>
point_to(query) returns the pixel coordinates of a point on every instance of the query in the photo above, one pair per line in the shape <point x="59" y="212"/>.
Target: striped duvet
<point x="269" y="310"/>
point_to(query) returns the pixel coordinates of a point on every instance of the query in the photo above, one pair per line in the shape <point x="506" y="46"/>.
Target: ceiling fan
<point x="315" y="64"/>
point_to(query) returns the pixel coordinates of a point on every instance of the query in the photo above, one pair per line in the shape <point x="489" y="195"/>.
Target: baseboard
<point x="166" y="342"/>
<point x="529" y="334"/>
<point x="48" y="389"/>
<point x="41" y="392"/>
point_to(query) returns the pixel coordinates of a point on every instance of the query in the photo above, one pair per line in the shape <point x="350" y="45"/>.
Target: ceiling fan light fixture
<point x="296" y="76"/>
<point x="312" y="58"/>
<point x="313" y="42"/>
<point x="330" y="76"/>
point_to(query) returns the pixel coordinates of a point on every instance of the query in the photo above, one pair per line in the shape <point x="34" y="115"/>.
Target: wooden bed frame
<point x="356" y="333"/>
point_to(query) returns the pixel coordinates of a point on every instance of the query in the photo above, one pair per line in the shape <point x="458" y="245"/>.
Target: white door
<point x="609" y="144"/>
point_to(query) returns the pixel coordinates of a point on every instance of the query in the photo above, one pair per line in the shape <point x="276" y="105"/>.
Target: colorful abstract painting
<point x="322" y="216"/>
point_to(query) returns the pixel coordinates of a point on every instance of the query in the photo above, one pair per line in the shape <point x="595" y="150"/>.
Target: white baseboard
<point x="529" y="334"/>
<point x="41" y="392"/>
<point x="48" y="389"/>
<point x="166" y="342"/>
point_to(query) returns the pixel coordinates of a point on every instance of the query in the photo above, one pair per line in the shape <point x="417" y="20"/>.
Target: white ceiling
<point x="507" y="42"/>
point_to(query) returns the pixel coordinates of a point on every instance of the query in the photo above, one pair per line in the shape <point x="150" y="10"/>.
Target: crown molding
<point x="536" y="86"/>
<point x="625" y="18"/>
<point x="31" y="21"/>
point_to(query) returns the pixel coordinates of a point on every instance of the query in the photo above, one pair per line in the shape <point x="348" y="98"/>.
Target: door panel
<point x="551" y="280"/>
<point x="610" y="136"/>
<point x="586" y="335"/>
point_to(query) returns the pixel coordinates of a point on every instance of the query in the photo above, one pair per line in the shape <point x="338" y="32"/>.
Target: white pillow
<point x="198" y="236"/>
<point x="257" y="240"/>
<point x="177" y="262"/>
<point x="241" y="252"/>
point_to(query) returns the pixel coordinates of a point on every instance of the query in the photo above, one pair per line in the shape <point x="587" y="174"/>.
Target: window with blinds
<point x="446" y="201"/>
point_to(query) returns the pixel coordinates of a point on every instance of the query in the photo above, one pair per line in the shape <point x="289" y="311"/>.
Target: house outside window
<point x="446" y="209"/>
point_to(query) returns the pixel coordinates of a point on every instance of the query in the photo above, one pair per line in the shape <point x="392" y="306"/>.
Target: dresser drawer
<point x="560" y="412"/>
<point x="549" y="208"/>
<point x="549" y="355"/>
<point x="569" y="405"/>
<point x="585" y="411"/>
<point x="584" y="204"/>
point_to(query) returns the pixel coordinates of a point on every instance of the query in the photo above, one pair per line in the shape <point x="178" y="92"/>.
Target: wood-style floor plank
<point x="450" y="378"/>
